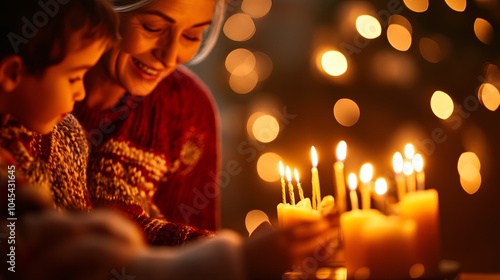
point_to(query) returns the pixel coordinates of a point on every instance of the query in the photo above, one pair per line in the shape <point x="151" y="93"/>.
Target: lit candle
<point x="397" y="164"/>
<point x="408" y="167"/>
<point x="381" y="189"/>
<point x="418" y="166"/>
<point x="338" y="169"/>
<point x="353" y="184"/>
<point x="315" y="179"/>
<point x="290" y="185"/>
<point x="282" y="174"/>
<point x="299" y="185"/>
<point x="365" y="175"/>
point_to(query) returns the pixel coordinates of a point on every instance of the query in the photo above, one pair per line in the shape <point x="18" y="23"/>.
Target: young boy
<point x="47" y="46"/>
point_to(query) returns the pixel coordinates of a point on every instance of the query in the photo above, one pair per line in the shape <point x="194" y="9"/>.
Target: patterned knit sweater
<point x="54" y="162"/>
<point x="157" y="159"/>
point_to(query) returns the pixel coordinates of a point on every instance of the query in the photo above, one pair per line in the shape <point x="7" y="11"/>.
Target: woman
<point x="152" y="125"/>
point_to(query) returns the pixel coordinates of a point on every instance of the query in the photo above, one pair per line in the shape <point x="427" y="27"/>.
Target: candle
<point x="418" y="166"/>
<point x="282" y="174"/>
<point x="423" y="208"/>
<point x="381" y="189"/>
<point x="397" y="164"/>
<point x="338" y="169"/>
<point x="366" y="174"/>
<point x="290" y="185"/>
<point x="353" y="183"/>
<point x="408" y="167"/>
<point x="299" y="186"/>
<point x="315" y="179"/>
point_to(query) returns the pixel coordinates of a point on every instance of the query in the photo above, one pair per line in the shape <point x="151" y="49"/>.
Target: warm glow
<point x="265" y="167"/>
<point x="399" y="33"/>
<point x="407" y="168"/>
<point x="352" y="181"/>
<point x="265" y="128"/>
<point x="240" y="62"/>
<point x="417" y="270"/>
<point x="281" y="169"/>
<point x="471" y="187"/>
<point x="489" y="96"/>
<point x="264" y="65"/>
<point x="381" y="186"/>
<point x="253" y="219"/>
<point x="389" y="67"/>
<point x="243" y="84"/>
<point x="288" y="174"/>
<point x="418" y="163"/>
<point x="314" y="157"/>
<point x="417" y="6"/>
<point x="239" y="27"/>
<point x="366" y="173"/>
<point x="346" y="112"/>
<point x="409" y="151"/>
<point x="341" y="150"/>
<point x="468" y="158"/>
<point x="397" y="162"/>
<point x="296" y="173"/>
<point x="368" y="26"/>
<point x="484" y="31"/>
<point x="334" y="63"/>
<point x="457" y="5"/>
<point x="256" y="8"/>
<point x="434" y="49"/>
<point x="442" y="105"/>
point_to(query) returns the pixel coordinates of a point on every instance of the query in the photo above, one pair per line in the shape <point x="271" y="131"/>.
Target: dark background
<point x="391" y="114"/>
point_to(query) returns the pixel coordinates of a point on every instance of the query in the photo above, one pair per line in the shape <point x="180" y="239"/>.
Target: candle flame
<point x="314" y="157"/>
<point x="288" y="174"/>
<point x="296" y="173"/>
<point x="282" y="169"/>
<point x="397" y="162"/>
<point x="341" y="150"/>
<point x="366" y="173"/>
<point x="381" y="186"/>
<point x="409" y="151"/>
<point x="418" y="163"/>
<point x="407" y="168"/>
<point x="352" y="181"/>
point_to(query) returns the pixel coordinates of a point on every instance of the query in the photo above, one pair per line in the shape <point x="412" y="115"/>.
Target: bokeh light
<point x="483" y="30"/>
<point x="256" y="8"/>
<point x="489" y="96"/>
<point x="239" y="27"/>
<point x="334" y="63"/>
<point x="264" y="65"/>
<point x="469" y="167"/>
<point x="417" y="6"/>
<point x="243" y="84"/>
<point x="266" y="167"/>
<point x="253" y="219"/>
<point x="399" y="33"/>
<point x="368" y="26"/>
<point x="457" y="5"/>
<point x="434" y="48"/>
<point x="346" y="112"/>
<point x="240" y="62"/>
<point x="265" y="128"/>
<point x="442" y="105"/>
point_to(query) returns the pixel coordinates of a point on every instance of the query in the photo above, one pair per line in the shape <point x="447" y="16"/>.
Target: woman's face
<point x="155" y="40"/>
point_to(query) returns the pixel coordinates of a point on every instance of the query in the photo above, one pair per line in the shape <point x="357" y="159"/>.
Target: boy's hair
<point x="40" y="30"/>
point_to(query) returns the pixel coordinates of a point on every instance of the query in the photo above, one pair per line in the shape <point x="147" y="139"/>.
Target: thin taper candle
<point x="353" y="183"/>
<point x="315" y="179"/>
<point x="283" y="185"/>
<point x="290" y="185"/>
<point x="299" y="185"/>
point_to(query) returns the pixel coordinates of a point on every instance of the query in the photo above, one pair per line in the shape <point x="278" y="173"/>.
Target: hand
<point x="268" y="254"/>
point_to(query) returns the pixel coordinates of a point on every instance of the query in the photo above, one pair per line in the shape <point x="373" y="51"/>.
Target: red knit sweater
<point x="158" y="158"/>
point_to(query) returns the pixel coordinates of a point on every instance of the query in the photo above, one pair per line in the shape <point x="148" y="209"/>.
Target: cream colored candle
<point x="315" y="179"/>
<point x="290" y="185"/>
<point x="423" y="207"/>
<point x="365" y="175"/>
<point x="418" y="166"/>
<point x="283" y="186"/>
<point x="353" y="184"/>
<point x="299" y="185"/>
<point x="397" y="165"/>
<point x="293" y="214"/>
<point x="338" y="169"/>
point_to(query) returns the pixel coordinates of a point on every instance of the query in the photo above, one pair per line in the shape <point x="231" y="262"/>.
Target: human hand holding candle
<point x="365" y="175"/>
<point x="338" y="169"/>
<point x="316" y="192"/>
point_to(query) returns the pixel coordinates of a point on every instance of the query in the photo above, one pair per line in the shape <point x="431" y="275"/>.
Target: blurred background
<point x="291" y="74"/>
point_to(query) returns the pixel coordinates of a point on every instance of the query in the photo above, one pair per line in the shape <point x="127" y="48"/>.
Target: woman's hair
<point x="40" y="31"/>
<point x="210" y="35"/>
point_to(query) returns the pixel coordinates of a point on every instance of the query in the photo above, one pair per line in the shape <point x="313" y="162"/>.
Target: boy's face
<point x="155" y="40"/>
<point x="41" y="102"/>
